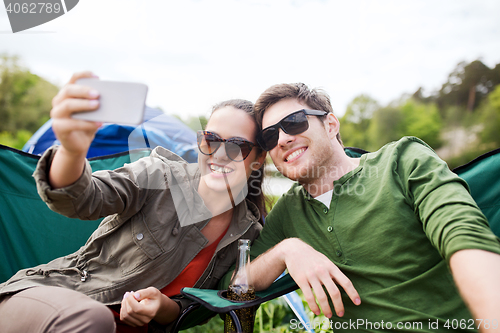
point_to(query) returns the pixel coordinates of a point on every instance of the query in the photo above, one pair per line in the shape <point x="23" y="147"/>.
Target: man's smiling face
<point x="298" y="156"/>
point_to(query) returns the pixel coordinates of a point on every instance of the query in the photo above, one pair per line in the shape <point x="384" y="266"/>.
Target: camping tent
<point x="158" y="129"/>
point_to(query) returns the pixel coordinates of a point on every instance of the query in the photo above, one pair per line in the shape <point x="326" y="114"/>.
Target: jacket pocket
<point x="131" y="247"/>
<point x="144" y="238"/>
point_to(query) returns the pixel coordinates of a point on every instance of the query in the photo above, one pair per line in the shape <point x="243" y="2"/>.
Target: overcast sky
<point x="193" y="54"/>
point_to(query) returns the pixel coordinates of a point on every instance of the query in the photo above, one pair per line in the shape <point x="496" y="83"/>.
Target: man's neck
<point x="339" y="166"/>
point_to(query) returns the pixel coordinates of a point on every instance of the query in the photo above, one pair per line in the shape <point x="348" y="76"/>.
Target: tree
<point x="360" y="110"/>
<point x="490" y="119"/>
<point x="356" y="121"/>
<point x="467" y="85"/>
<point x="408" y="117"/>
<point x="386" y="126"/>
<point x="25" y="98"/>
<point x="423" y="121"/>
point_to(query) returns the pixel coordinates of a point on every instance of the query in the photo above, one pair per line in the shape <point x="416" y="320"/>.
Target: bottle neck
<point x="243" y="256"/>
<point x="242" y="274"/>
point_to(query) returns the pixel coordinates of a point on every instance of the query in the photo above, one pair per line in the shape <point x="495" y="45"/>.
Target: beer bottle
<point x="241" y="289"/>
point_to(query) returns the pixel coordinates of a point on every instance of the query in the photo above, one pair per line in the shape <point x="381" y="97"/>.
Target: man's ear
<point x="332" y="125"/>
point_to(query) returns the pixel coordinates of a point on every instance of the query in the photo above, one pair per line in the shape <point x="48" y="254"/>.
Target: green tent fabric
<point x="30" y="233"/>
<point x="482" y="175"/>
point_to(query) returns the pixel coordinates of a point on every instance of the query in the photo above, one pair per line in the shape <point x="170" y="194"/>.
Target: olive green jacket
<point x="141" y="242"/>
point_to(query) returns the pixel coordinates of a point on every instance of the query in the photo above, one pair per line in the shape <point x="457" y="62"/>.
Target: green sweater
<point x="391" y="227"/>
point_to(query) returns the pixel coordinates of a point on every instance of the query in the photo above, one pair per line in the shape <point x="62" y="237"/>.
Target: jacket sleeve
<point x="103" y="193"/>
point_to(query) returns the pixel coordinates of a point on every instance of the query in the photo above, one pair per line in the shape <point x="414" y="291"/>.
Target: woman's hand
<point x="140" y="307"/>
<point x="74" y="135"/>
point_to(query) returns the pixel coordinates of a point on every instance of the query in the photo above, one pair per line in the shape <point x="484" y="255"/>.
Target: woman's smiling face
<point x="218" y="171"/>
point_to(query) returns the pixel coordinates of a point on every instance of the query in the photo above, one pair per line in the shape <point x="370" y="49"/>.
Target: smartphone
<point x="119" y="102"/>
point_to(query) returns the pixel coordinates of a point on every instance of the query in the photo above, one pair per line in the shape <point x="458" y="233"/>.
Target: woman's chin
<point x="222" y="183"/>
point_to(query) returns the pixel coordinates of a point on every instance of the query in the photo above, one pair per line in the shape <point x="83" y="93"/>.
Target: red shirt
<point x="187" y="278"/>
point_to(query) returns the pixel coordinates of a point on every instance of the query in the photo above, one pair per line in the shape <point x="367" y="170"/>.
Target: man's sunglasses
<point x="293" y="124"/>
<point x="237" y="149"/>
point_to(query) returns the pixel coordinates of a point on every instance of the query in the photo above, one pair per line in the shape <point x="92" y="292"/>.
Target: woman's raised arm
<point x="74" y="135"/>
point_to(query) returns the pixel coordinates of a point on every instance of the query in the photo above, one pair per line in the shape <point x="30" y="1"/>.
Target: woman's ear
<point x="259" y="160"/>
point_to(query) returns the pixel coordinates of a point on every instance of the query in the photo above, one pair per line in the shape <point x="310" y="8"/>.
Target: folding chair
<point x="24" y="216"/>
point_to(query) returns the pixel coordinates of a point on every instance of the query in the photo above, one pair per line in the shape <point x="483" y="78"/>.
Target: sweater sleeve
<point x="272" y="233"/>
<point x="441" y="200"/>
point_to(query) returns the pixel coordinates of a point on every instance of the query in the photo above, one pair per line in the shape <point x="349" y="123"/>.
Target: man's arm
<point x="310" y="269"/>
<point x="477" y="276"/>
<point x="456" y="227"/>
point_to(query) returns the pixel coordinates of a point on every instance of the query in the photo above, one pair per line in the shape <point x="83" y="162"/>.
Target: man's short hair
<point x="316" y="99"/>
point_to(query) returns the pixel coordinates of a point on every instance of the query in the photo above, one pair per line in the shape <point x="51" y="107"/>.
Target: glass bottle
<point x="241" y="289"/>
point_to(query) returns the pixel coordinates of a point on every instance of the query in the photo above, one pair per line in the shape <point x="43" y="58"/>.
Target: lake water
<point x="276" y="185"/>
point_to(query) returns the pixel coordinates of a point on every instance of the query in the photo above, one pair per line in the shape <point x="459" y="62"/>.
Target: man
<point x="387" y="227"/>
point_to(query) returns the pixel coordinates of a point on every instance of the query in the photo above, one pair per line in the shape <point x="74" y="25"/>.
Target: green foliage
<point x="16" y="140"/>
<point x="356" y="121"/>
<point x="406" y="117"/>
<point x="352" y="136"/>
<point x="273" y="316"/>
<point x="25" y="98"/>
<point x="468" y="85"/>
<point x="360" y="111"/>
<point x="466" y="157"/>
<point x="196" y="123"/>
<point x="386" y="126"/>
<point x="422" y="121"/>
<point x="490" y="118"/>
<point x="368" y="126"/>
<point x="214" y="325"/>
<point x="455" y="115"/>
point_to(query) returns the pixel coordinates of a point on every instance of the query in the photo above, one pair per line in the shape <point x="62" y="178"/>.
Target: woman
<point x="169" y="224"/>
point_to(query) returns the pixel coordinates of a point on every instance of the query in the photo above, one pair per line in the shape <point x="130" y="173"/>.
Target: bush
<point x="16" y="140"/>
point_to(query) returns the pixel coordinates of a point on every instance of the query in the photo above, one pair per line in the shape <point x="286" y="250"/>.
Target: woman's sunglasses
<point x="237" y="149"/>
<point x="293" y="124"/>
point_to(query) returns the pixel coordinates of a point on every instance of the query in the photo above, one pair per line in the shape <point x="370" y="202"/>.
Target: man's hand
<point x="310" y="269"/>
<point x="140" y="307"/>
